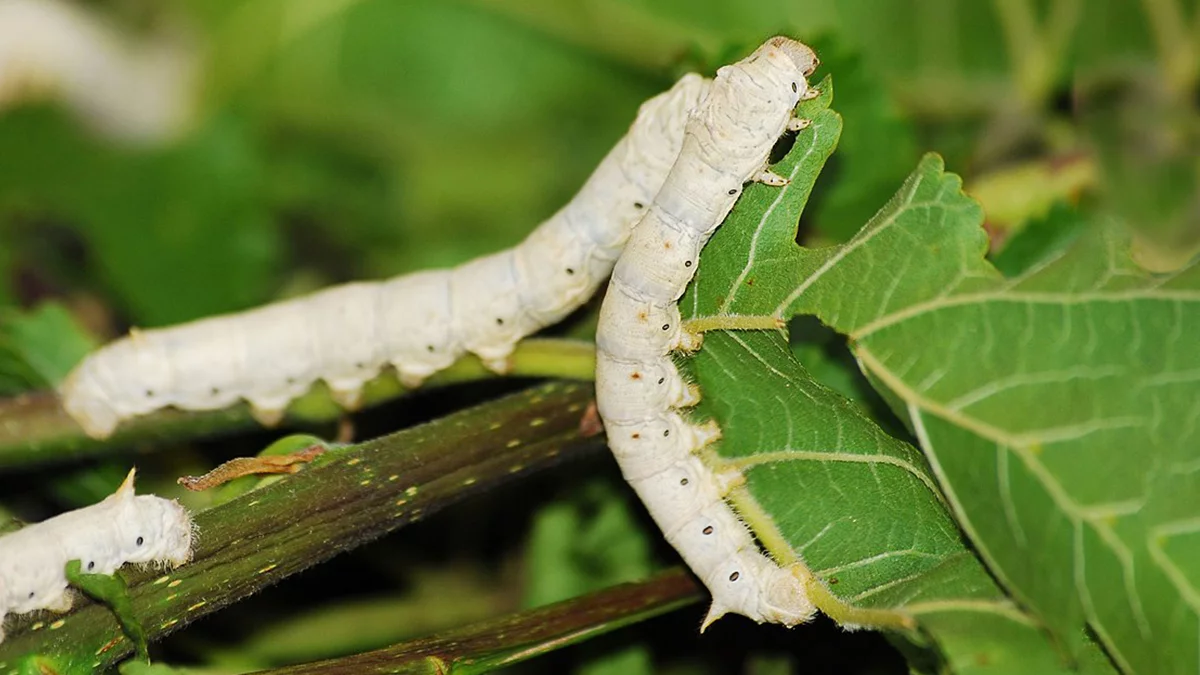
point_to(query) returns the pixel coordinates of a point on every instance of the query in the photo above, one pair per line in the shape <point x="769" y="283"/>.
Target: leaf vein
<point x="1000" y="296"/>
<point x="1002" y="608"/>
<point x="791" y="455"/>
<point x="998" y="385"/>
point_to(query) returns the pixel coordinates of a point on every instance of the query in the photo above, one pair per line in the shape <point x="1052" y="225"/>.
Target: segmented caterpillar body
<point x="123" y="528"/>
<point x="638" y="388"/>
<point x="418" y="323"/>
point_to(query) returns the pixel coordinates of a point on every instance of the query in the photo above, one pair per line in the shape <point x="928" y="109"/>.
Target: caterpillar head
<point x="802" y="56"/>
<point x="155" y="530"/>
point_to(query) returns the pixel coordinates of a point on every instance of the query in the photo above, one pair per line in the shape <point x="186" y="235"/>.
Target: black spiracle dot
<point x="91" y="565"/>
<point x="216" y="391"/>
<point x="795" y="88"/>
<point x="708" y="530"/>
<point x="666" y="326"/>
<point x="141" y="540"/>
<point x="735" y="576"/>
<point x="683" y="481"/>
<point x="149" y="393"/>
<point x="639" y="205"/>
<point x="499" y="321"/>
<point x="430" y="348"/>
<point x="733" y="191"/>
<point x="687" y="263"/>
<point x="570" y="270"/>
<point x="661" y="380"/>
<point x="31" y="594"/>
<point x="666" y="432"/>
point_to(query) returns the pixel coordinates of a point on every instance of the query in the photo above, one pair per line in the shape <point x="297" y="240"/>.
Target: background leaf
<point x="39" y="348"/>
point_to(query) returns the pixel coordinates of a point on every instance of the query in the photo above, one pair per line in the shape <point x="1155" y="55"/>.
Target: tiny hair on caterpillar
<point x="417" y="324"/>
<point x="123" y="528"/>
<point x="640" y="394"/>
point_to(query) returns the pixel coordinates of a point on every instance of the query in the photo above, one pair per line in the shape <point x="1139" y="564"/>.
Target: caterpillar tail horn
<point x="715" y="611"/>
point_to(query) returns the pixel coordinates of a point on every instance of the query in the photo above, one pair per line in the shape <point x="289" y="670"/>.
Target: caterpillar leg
<point x="769" y="177"/>
<point x="786" y="598"/>
<point x="500" y="365"/>
<point x="798" y="124"/>
<point x="61" y="603"/>
<point x="591" y="424"/>
<point x="689" y="341"/>
<point x="689" y="397"/>
<point x="705" y="434"/>
<point x="268" y="416"/>
<point x="728" y="479"/>
<point x="409" y="379"/>
<point x="810" y="93"/>
<point x="348" y="398"/>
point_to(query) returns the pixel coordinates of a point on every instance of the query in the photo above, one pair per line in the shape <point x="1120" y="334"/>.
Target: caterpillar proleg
<point x="638" y="389"/>
<point x="123" y="528"/>
<point x="418" y="323"/>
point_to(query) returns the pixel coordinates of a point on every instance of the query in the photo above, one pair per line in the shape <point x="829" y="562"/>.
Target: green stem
<point x="1177" y="51"/>
<point x="1028" y="52"/>
<point x="34" y="428"/>
<point x="509" y="640"/>
<point x="1061" y="26"/>
<point x="344" y="499"/>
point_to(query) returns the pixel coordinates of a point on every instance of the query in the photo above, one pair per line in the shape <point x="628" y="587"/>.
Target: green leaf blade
<point x="1049" y="404"/>
<point x="786" y="465"/>
<point x="894" y="259"/>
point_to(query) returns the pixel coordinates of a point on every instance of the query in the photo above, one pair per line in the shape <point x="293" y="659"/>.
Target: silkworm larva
<point x="419" y="323"/>
<point x="638" y="389"/>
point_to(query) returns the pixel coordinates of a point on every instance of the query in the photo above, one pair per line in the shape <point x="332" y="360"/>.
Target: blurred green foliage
<point x="346" y="139"/>
<point x="341" y="139"/>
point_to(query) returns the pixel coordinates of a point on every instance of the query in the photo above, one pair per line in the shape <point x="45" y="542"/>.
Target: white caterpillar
<point x="638" y="389"/>
<point x="419" y="323"/>
<point x="124" y="528"/>
<point x="138" y="91"/>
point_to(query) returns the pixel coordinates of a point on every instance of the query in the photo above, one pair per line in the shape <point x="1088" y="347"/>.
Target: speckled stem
<point x="346" y="498"/>
<point x="488" y="645"/>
